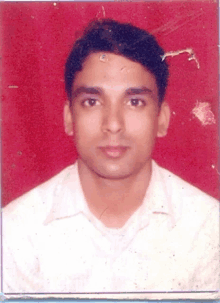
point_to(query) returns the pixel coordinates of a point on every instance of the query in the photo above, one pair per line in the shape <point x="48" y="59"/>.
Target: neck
<point x="113" y="201"/>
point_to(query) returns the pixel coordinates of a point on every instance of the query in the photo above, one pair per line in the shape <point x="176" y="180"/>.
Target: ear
<point x="68" y="119"/>
<point x="163" y="120"/>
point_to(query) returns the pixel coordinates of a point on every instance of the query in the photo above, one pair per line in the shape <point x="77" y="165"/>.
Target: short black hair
<point x="123" y="39"/>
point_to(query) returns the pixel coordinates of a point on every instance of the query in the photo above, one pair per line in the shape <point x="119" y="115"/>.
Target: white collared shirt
<point x="52" y="243"/>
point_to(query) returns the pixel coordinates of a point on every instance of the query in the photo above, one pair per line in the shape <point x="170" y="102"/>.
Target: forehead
<point x="113" y="71"/>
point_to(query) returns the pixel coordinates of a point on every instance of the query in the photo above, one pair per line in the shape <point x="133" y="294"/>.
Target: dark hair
<point x="129" y="41"/>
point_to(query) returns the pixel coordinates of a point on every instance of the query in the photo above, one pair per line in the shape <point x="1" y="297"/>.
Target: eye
<point x="90" y="102"/>
<point x="135" y="102"/>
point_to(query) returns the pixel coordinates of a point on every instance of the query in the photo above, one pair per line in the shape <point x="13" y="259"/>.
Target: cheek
<point x="86" y="127"/>
<point x="143" y="126"/>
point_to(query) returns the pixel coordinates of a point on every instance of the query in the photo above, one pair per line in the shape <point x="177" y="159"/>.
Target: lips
<point x="114" y="151"/>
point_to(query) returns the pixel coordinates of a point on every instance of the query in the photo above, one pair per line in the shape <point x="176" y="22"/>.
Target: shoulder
<point x="33" y="206"/>
<point x="22" y="226"/>
<point x="195" y="228"/>
<point x="177" y="187"/>
<point x="192" y="207"/>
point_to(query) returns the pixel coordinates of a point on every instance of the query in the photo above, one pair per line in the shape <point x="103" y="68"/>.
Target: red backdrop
<point x="36" y="39"/>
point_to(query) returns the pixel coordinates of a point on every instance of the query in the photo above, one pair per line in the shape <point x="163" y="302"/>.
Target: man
<point x="115" y="221"/>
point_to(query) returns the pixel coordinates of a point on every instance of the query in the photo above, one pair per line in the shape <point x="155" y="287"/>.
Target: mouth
<point x="114" y="151"/>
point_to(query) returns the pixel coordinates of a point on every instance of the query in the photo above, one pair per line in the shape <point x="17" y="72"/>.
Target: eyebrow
<point x="138" y="91"/>
<point x="98" y="91"/>
<point x="87" y="90"/>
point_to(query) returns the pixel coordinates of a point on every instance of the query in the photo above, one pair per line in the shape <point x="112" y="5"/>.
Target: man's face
<point x="115" y="115"/>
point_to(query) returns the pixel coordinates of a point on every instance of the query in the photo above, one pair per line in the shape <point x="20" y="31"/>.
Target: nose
<point x="113" y="120"/>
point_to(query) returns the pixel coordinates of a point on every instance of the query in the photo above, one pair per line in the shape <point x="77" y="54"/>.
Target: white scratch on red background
<point x="203" y="112"/>
<point x="190" y="51"/>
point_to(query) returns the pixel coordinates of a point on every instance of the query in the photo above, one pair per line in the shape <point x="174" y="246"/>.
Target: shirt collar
<point x="158" y="197"/>
<point x="69" y="200"/>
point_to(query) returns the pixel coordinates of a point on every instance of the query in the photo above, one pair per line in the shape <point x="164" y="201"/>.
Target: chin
<point x="113" y="172"/>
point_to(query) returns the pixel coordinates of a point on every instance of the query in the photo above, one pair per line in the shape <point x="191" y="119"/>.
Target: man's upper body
<point x="53" y="243"/>
<point x="115" y="221"/>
